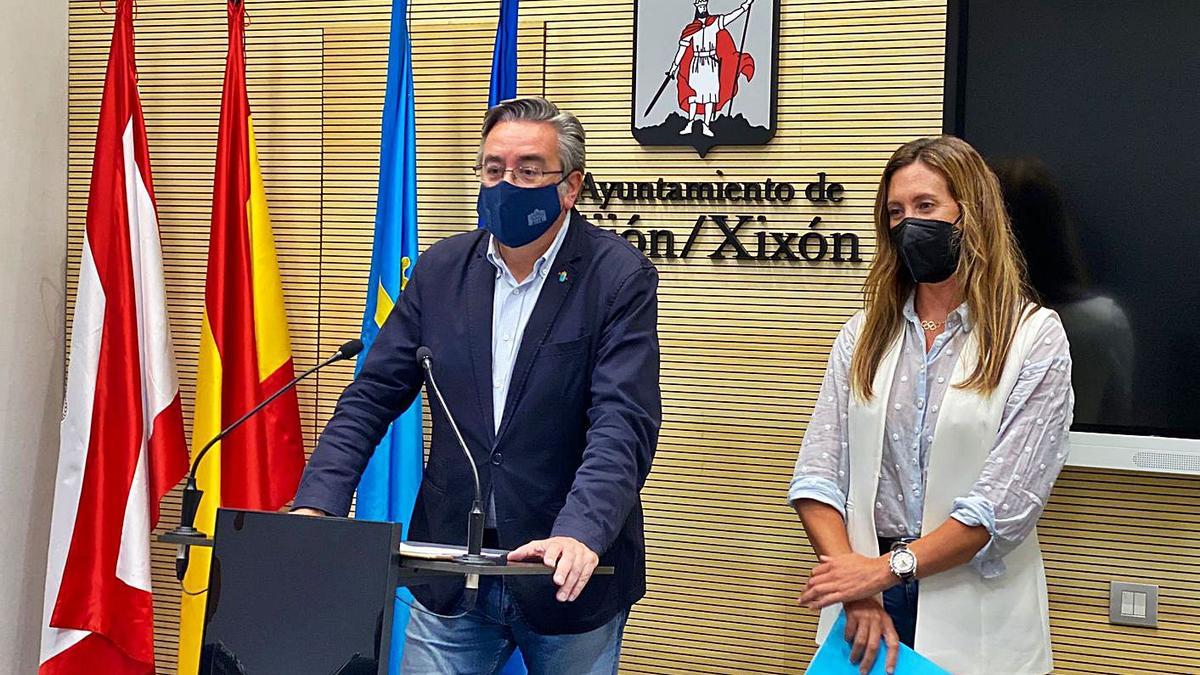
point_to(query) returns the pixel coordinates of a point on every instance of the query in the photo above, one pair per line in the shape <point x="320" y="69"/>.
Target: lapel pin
<point x="562" y="277"/>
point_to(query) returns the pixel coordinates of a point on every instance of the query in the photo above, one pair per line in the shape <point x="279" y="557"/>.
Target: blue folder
<point x="833" y="658"/>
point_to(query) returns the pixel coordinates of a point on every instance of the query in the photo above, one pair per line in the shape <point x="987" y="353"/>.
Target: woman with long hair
<point x="939" y="431"/>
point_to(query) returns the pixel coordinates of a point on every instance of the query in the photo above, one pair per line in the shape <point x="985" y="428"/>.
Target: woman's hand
<point x="846" y="578"/>
<point x="866" y="622"/>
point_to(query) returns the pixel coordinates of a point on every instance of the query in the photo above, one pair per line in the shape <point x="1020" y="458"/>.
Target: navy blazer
<point x="579" y="428"/>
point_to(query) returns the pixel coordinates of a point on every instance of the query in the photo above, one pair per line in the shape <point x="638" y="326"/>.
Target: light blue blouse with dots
<point x="1011" y="491"/>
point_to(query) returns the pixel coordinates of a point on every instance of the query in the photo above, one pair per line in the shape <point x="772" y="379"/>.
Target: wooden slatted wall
<point x="744" y="342"/>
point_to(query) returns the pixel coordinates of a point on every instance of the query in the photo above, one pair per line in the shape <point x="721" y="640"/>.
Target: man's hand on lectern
<point x="305" y="511"/>
<point x="573" y="563"/>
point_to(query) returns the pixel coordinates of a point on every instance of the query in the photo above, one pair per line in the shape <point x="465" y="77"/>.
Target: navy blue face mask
<point x="929" y="248"/>
<point x="515" y="215"/>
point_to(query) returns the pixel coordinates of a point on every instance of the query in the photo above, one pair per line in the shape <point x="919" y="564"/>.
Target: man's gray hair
<point x="571" y="150"/>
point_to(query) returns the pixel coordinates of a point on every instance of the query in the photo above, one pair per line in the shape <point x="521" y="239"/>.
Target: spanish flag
<point x="245" y="354"/>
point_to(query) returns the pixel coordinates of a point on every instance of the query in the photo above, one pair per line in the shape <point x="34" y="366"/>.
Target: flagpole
<point x="738" y="65"/>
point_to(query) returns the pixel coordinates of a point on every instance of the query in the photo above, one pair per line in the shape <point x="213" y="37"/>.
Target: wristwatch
<point x="903" y="562"/>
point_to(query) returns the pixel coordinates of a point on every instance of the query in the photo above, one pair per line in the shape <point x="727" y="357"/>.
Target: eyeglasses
<point x="527" y="175"/>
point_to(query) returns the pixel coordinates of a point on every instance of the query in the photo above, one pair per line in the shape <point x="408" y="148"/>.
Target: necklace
<point x="932" y="325"/>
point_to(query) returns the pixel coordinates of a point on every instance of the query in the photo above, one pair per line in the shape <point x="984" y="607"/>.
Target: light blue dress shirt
<point x="512" y="305"/>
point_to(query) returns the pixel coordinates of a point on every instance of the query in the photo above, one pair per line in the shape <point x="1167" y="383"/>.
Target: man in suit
<point x="543" y="331"/>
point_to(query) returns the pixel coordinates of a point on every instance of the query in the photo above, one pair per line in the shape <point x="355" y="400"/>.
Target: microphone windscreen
<point x="350" y="349"/>
<point x="424" y="354"/>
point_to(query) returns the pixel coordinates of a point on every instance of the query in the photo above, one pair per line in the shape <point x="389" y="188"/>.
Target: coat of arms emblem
<point x="704" y="72"/>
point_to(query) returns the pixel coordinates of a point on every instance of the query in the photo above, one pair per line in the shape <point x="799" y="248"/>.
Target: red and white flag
<point x="122" y="444"/>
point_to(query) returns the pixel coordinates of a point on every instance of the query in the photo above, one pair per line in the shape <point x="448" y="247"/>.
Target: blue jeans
<point x="900" y="602"/>
<point x="481" y="642"/>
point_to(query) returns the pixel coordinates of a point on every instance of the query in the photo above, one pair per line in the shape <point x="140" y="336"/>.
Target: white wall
<point x="33" y="234"/>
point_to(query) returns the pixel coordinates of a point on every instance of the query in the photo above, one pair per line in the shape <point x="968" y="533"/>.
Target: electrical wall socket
<point x="1132" y="604"/>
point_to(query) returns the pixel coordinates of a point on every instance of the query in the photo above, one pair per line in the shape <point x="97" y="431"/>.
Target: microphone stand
<point x="475" y="520"/>
<point x="192" y="494"/>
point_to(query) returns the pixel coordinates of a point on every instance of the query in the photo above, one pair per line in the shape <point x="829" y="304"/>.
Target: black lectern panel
<point x="293" y="595"/>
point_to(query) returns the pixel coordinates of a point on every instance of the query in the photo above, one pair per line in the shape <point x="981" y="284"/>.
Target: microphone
<point x="192" y="494"/>
<point x="474" y="554"/>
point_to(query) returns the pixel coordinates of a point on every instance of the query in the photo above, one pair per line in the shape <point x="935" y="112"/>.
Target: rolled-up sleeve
<point x="1012" y="490"/>
<point x="822" y="466"/>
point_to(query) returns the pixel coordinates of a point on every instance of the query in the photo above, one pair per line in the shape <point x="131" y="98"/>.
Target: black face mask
<point x="929" y="248"/>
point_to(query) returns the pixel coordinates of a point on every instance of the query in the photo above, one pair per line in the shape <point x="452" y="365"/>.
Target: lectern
<point x="294" y="595"/>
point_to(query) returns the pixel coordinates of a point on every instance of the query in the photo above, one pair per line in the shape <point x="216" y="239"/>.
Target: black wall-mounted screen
<point x="1089" y="111"/>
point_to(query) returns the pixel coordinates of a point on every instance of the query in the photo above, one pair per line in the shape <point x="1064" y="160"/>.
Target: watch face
<point x="903" y="562"/>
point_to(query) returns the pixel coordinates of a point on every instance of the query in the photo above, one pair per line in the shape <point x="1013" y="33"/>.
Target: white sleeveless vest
<point x="965" y="623"/>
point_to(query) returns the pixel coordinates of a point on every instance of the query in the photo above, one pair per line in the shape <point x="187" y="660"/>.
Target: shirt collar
<point x="541" y="268"/>
<point x="960" y="316"/>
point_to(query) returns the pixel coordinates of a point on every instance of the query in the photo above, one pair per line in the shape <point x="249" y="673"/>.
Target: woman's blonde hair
<point x="991" y="270"/>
